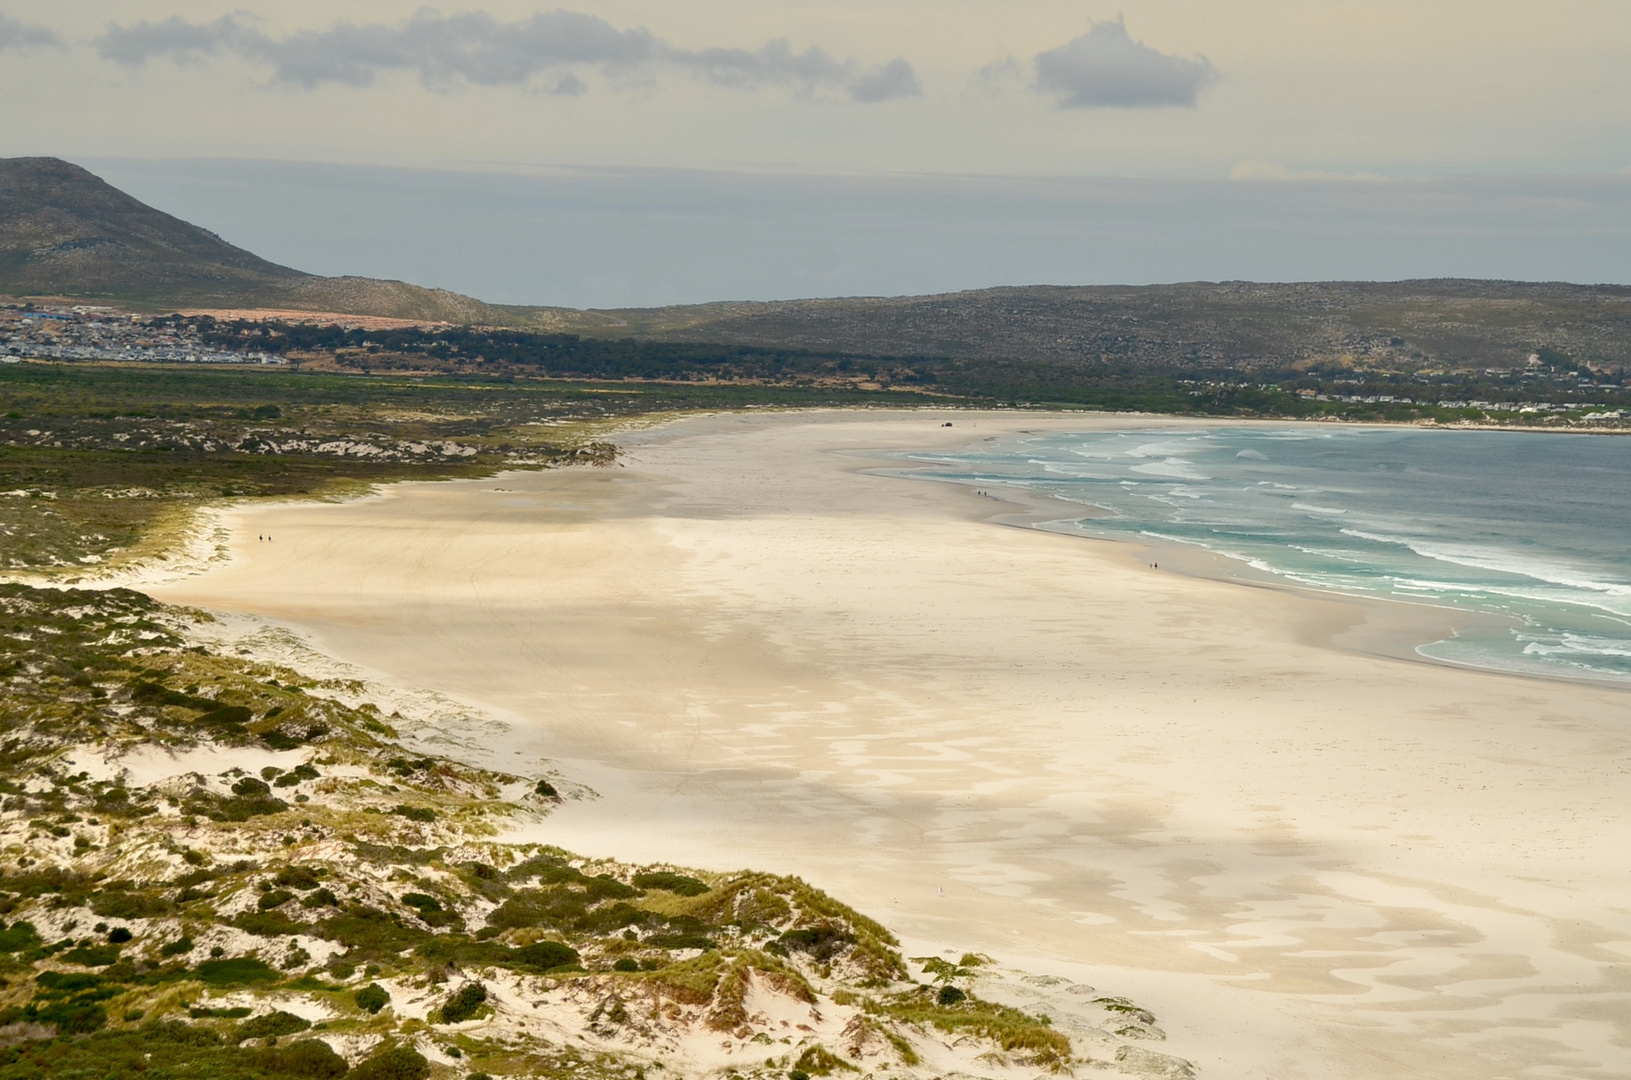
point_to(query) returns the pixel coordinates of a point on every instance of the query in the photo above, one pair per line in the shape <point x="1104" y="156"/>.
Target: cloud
<point x="20" y="35"/>
<point x="885" y="82"/>
<point x="477" y="49"/>
<point x="174" y="37"/>
<point x="1106" y="68"/>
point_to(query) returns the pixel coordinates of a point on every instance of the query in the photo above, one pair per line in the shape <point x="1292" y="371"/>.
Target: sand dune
<point x="1307" y="861"/>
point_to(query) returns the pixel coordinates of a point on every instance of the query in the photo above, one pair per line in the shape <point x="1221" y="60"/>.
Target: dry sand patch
<point x="1308" y="862"/>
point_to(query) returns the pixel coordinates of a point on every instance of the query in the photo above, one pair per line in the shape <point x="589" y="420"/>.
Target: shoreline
<point x="1305" y="860"/>
<point x="1382" y="626"/>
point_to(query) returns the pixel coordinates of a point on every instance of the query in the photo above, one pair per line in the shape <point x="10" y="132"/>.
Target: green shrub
<point x="18" y="936"/>
<point x="669" y="881"/>
<point x="311" y="1058"/>
<point x="543" y="956"/>
<point x="463" y="1003"/>
<point x="414" y="813"/>
<point x="421" y="901"/>
<point x="69" y="1000"/>
<point x="535" y="907"/>
<point x="182" y="944"/>
<point x="822" y="943"/>
<point x="397" y="1063"/>
<point x="371" y="998"/>
<point x="546" y="789"/>
<point x="236" y="971"/>
<point x="268" y="924"/>
<point x="123" y="904"/>
<point x="270" y="1024"/>
<point x="91" y="955"/>
<point x="606" y="887"/>
<point x="950" y="995"/>
<point x="275" y="898"/>
<point x="295" y="776"/>
<point x="250" y="788"/>
<point x="302" y="878"/>
<point x="119" y="935"/>
<point x="626" y="964"/>
<point x="370" y="933"/>
<point x="71" y="1017"/>
<point x="238" y="808"/>
<point x="682" y="941"/>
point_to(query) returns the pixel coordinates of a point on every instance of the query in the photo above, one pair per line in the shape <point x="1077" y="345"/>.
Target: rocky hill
<point x="65" y="233"/>
<point x="1407" y="324"/>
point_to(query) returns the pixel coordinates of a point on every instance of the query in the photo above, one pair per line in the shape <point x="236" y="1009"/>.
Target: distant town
<point x="1549" y="390"/>
<point x="87" y="332"/>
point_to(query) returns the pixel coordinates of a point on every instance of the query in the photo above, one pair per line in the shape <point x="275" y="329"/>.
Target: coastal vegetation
<point x="104" y="463"/>
<point x="213" y="865"/>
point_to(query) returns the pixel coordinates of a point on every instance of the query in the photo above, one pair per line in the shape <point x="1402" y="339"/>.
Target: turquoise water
<point x="1534" y="528"/>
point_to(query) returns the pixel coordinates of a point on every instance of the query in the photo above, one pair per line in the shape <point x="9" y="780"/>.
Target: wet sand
<point x="1308" y="861"/>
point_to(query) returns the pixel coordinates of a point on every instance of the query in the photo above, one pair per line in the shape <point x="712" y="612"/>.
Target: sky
<point x="805" y="148"/>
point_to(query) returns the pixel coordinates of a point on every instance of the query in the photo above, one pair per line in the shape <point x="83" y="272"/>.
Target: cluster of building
<point x="1488" y="406"/>
<point x="85" y="332"/>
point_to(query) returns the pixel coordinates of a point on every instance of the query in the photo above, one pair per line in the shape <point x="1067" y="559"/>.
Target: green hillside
<point x="65" y="233"/>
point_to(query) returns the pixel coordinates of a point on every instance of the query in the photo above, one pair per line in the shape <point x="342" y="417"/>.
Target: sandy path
<point x="1308" y="863"/>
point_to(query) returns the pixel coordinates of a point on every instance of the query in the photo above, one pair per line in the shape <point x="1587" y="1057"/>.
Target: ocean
<point x="1532" y="529"/>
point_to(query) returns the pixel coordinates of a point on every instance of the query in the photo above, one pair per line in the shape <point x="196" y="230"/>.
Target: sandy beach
<point x="1307" y="860"/>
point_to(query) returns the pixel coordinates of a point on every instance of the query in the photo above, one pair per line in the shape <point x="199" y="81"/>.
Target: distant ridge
<point x="1445" y="321"/>
<point x="65" y="232"/>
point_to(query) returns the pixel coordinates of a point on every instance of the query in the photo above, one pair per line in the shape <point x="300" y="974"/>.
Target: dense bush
<point x="371" y="998"/>
<point x="397" y="1063"/>
<point x="671" y="882"/>
<point x="544" y="955"/>
<point x="275" y="898"/>
<point x="819" y="942"/>
<point x="462" y="1004"/>
<point x="301" y="878"/>
<point x="18" y="936"/>
<point x="311" y="1058"/>
<point x="235" y="971"/>
<point x="273" y="1023"/>
<point x="182" y="944"/>
<point x="171" y="1050"/>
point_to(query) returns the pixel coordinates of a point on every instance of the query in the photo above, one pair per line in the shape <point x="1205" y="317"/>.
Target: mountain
<point x="1443" y="322"/>
<point x="65" y="232"/>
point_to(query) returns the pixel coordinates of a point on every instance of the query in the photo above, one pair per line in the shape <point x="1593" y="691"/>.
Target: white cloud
<point x="1106" y="68"/>
<point x="174" y="37"/>
<point x="477" y="49"/>
<point x="15" y="34"/>
<point x="895" y="79"/>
